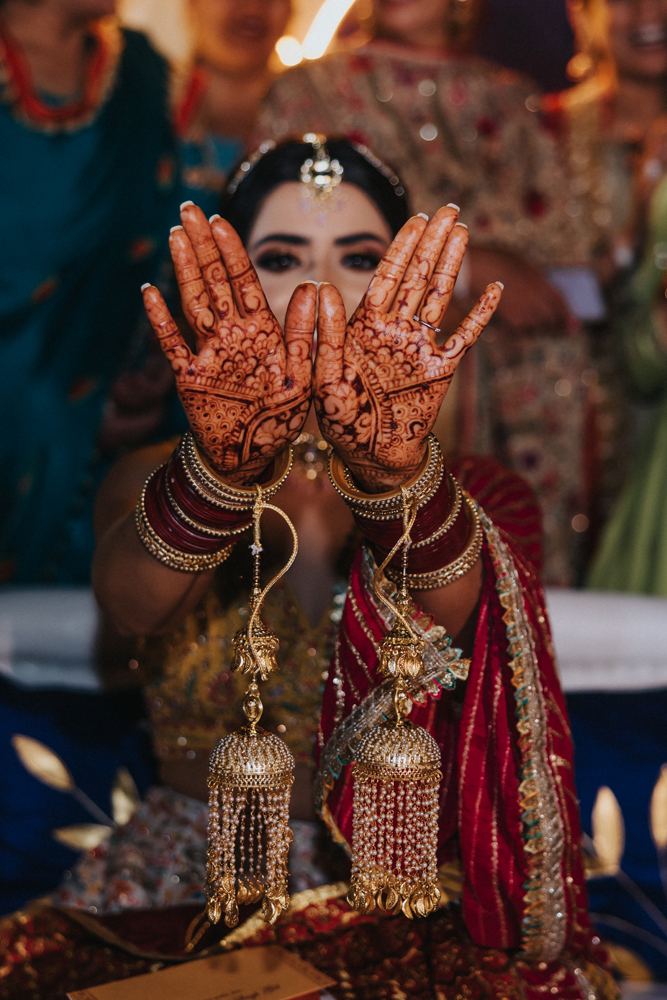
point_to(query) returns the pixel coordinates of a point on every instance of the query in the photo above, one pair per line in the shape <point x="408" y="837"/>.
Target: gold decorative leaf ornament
<point x="43" y="763"/>
<point x="608" y="832"/>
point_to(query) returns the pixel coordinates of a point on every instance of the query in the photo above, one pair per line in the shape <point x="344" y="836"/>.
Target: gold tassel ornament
<point x="396" y="779"/>
<point x="250" y="776"/>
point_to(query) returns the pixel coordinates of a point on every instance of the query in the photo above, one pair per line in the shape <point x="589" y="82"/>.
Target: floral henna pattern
<point x="380" y="381"/>
<point x="246" y="392"/>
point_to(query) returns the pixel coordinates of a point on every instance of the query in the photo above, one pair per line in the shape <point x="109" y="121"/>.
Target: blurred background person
<point x="88" y="183"/>
<point x="223" y="87"/>
<point x="632" y="556"/>
<point x="461" y="130"/>
<point x="611" y="127"/>
<point x="88" y="189"/>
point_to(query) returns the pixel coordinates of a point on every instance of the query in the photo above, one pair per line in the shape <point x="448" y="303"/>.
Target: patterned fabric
<point x="158" y="859"/>
<point x="87" y="193"/>
<point x="370" y="958"/>
<point x="451" y="127"/>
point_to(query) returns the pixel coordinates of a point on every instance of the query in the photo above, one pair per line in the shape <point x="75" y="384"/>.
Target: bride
<point x="361" y="370"/>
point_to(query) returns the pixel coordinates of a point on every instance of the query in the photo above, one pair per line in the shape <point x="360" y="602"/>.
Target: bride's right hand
<point x="246" y="393"/>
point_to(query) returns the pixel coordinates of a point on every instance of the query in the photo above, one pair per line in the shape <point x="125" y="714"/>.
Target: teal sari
<point x="86" y="201"/>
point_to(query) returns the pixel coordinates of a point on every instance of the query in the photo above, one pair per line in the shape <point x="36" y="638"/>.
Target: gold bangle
<point x="211" y="487"/>
<point x="389" y="506"/>
<point x="185" y="562"/>
<point x="454" y="570"/>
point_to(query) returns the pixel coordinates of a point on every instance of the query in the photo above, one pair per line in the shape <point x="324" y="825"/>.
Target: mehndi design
<point x="380" y="380"/>
<point x="246" y="393"/>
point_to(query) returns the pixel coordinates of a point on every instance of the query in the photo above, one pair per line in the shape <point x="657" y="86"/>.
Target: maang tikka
<point x="250" y="776"/>
<point x="396" y="778"/>
<point x="319" y="174"/>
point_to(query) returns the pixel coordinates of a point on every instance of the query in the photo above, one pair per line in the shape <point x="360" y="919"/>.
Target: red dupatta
<point x="508" y="802"/>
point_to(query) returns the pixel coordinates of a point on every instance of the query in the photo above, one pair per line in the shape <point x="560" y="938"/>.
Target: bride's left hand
<point x="380" y="379"/>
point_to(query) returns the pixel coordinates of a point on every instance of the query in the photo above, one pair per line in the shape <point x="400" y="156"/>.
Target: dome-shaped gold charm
<point x="396" y="781"/>
<point x="250" y="777"/>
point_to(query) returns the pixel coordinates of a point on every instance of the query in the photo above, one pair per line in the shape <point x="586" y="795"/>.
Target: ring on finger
<point x="436" y="329"/>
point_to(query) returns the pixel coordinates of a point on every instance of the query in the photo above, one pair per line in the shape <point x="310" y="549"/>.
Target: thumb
<point x="299" y="330"/>
<point x="331" y="327"/>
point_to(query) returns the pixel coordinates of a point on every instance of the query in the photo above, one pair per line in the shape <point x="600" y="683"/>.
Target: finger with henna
<point x="391" y="269"/>
<point x="194" y="297"/>
<point x="439" y="293"/>
<point x="213" y="273"/>
<point x="468" y="331"/>
<point x="331" y="332"/>
<point x="424" y="260"/>
<point x="246" y="286"/>
<point x="176" y="350"/>
<point x="299" y="330"/>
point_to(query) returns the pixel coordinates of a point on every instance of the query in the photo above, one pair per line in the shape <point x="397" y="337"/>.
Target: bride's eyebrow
<point x="293" y="240"/>
<point x="345" y="241"/>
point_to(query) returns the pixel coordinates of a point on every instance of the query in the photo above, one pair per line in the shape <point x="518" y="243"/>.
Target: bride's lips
<point x="648" y="36"/>
<point x="249" y="27"/>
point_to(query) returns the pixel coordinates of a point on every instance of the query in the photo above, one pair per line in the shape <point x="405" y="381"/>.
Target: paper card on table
<point x="268" y="973"/>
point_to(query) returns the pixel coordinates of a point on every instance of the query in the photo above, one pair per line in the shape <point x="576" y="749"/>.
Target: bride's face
<point x="295" y="239"/>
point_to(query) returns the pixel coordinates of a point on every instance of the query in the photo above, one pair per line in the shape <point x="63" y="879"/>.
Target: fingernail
<point x="147" y="285"/>
<point x="185" y="204"/>
<point x="213" y="217"/>
<point x="461" y="224"/>
<point x="422" y="215"/>
<point x="452" y="205"/>
<point x="174" y="228"/>
<point x="500" y="285"/>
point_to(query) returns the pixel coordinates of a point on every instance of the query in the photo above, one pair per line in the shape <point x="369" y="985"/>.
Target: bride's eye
<point x="277" y="261"/>
<point x="367" y="261"/>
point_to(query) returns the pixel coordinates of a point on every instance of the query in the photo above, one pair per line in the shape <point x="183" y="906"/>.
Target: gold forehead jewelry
<point x="320" y="175"/>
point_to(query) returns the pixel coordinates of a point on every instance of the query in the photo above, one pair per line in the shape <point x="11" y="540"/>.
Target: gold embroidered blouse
<point x="194" y="699"/>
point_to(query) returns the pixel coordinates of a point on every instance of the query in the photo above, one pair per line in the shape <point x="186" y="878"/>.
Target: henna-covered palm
<point x="380" y="380"/>
<point x="246" y="393"/>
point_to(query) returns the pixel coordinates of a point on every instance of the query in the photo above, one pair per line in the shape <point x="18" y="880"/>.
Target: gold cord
<point x="259" y="508"/>
<point x="410" y="509"/>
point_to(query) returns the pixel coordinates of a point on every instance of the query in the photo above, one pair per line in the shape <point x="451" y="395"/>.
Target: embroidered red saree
<point x="516" y="926"/>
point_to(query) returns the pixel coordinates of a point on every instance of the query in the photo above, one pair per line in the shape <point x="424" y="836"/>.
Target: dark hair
<point x="242" y="199"/>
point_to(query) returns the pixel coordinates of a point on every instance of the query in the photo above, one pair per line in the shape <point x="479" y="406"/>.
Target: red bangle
<point x="445" y="547"/>
<point x="166" y="523"/>
<point x="195" y="506"/>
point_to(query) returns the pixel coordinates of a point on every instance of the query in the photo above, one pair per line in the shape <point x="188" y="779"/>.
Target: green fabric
<point x="632" y="555"/>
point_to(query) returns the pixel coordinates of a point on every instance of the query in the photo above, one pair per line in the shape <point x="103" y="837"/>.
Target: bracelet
<point x="205" y="529"/>
<point x="185" y="562"/>
<point x="389" y="506"/>
<point x="453" y="570"/>
<point x="456" y="492"/>
<point x="215" y="490"/>
<point x="182" y="518"/>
